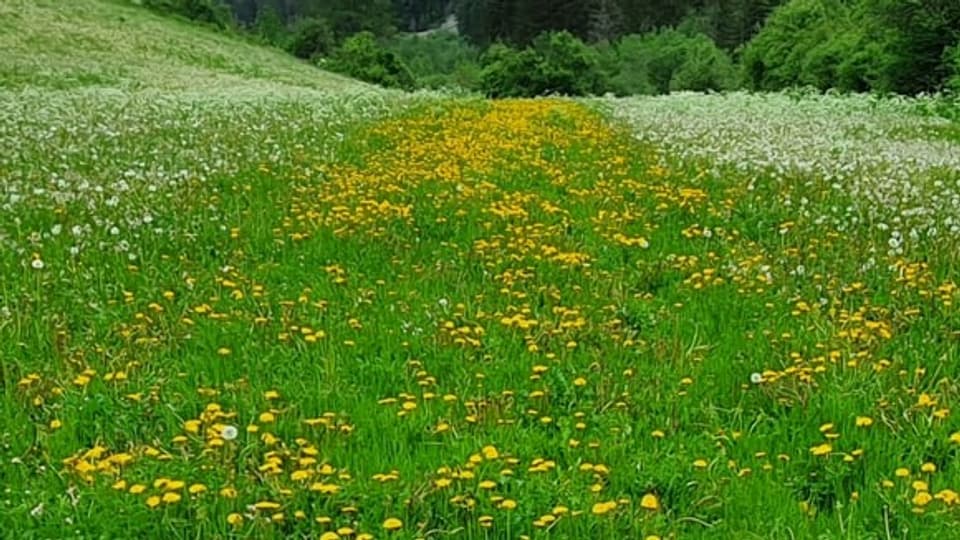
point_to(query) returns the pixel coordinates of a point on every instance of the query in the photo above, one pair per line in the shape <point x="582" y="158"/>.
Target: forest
<point x="624" y="47"/>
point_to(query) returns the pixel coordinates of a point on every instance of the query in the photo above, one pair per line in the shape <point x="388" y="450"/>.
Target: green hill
<point x="76" y="43"/>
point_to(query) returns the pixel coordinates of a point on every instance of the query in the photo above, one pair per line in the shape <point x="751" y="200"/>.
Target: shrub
<point x="917" y="34"/>
<point x="671" y="60"/>
<point x="213" y="12"/>
<point x="310" y="38"/>
<point x="556" y="63"/>
<point x="704" y="67"/>
<point x="567" y="65"/>
<point x="820" y="44"/>
<point x="508" y="72"/>
<point x="953" y="61"/>
<point x="440" y="59"/>
<point x="361" y="57"/>
<point x="777" y="57"/>
<point x="269" y="27"/>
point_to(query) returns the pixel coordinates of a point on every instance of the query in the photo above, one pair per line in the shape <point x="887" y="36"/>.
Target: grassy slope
<point x="76" y="43"/>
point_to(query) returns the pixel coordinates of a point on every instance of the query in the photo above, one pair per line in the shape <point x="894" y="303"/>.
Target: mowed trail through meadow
<point x="489" y="319"/>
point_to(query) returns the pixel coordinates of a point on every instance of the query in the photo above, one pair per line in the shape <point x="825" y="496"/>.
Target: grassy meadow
<point x="270" y="302"/>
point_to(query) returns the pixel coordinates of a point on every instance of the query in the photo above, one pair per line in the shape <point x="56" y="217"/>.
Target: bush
<point x="953" y="61"/>
<point x="917" y="34"/>
<point x="704" y="67"/>
<point x="508" y="72"/>
<point x="556" y="63"/>
<point x="311" y="38"/>
<point x="880" y="45"/>
<point x="269" y="27"/>
<point x="213" y="12"/>
<point x="671" y="60"/>
<point x="777" y="57"/>
<point x="567" y="65"/>
<point x="440" y="59"/>
<point x="361" y="57"/>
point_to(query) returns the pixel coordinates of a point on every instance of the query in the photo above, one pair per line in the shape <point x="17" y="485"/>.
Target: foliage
<point x="775" y="58"/>
<point x="311" y="38"/>
<point x="212" y="12"/>
<point x="566" y="65"/>
<point x="635" y="46"/>
<point x="270" y="28"/>
<point x="884" y="45"/>
<point x="556" y="63"/>
<point x="439" y="59"/>
<point x="671" y="60"/>
<point x="420" y="15"/>
<point x="362" y="57"/>
<point x="508" y="72"/>
<point x="953" y="61"/>
<point x="919" y="34"/>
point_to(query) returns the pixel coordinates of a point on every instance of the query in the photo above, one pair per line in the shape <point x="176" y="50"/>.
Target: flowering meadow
<point x="358" y="315"/>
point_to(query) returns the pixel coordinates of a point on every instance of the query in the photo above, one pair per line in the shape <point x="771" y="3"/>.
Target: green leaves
<point x="556" y="63"/>
<point x="362" y="57"/>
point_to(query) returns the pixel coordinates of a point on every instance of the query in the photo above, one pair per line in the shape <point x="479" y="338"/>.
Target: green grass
<point x="65" y="45"/>
<point x="540" y="318"/>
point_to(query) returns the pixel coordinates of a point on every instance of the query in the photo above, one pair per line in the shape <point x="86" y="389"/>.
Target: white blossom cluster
<point x="884" y="164"/>
<point x="97" y="168"/>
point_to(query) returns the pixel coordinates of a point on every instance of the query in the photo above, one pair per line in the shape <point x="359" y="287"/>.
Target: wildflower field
<point x="267" y="311"/>
<point x="365" y="316"/>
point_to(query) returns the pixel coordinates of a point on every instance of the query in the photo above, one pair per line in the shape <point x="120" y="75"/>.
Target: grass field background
<point x="241" y="297"/>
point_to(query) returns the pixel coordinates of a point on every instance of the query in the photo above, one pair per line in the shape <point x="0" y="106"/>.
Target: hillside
<point x="79" y="43"/>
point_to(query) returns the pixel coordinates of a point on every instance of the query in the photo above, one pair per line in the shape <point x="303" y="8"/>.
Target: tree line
<point x="533" y="47"/>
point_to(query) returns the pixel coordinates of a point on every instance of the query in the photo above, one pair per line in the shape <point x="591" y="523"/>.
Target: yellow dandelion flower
<point x="921" y="499"/>
<point x="490" y="452"/>
<point x="650" y="502"/>
<point x="821" y="449"/>
<point x="392" y="524"/>
<point x="602" y="508"/>
<point x="174" y="485"/>
<point x="326" y="489"/>
<point x="948" y="496"/>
